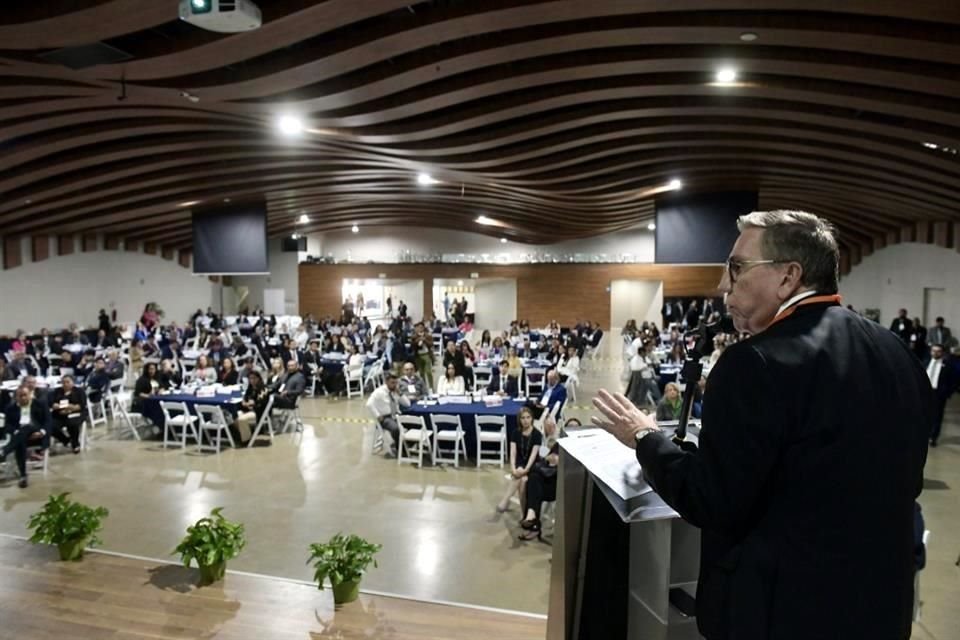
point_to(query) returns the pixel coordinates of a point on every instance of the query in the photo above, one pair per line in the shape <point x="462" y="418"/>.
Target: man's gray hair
<point x="798" y="236"/>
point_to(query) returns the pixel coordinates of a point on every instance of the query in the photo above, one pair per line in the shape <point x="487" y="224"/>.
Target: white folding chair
<point x="95" y="408"/>
<point x="533" y="380"/>
<point x="553" y="413"/>
<point x="120" y="404"/>
<point x="264" y="420"/>
<point x="353" y="375"/>
<point x="212" y="420"/>
<point x="455" y="435"/>
<point x="492" y="429"/>
<point x="378" y="438"/>
<point x="183" y="420"/>
<point x="414" y="438"/>
<point x="571" y="385"/>
<point x="291" y="416"/>
<point x="482" y="377"/>
<point x="373" y="375"/>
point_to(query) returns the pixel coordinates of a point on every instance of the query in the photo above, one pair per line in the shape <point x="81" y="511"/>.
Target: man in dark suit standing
<point x="940" y="334"/>
<point x="943" y="374"/>
<point x="27" y="422"/>
<point x="811" y="454"/>
<point x="902" y="326"/>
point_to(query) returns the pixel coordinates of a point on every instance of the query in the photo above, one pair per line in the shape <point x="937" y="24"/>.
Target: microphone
<point x="692" y="369"/>
<point x="707" y="332"/>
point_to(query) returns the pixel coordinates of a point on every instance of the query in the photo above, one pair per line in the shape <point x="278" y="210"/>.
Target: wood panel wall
<point x="564" y="292"/>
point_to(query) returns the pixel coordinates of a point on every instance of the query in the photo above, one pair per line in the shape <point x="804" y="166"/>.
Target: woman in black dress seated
<point x="229" y="375"/>
<point x="542" y="481"/>
<point x="147" y="385"/>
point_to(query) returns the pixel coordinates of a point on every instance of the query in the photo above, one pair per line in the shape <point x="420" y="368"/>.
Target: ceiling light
<point x="459" y="283"/>
<point x="503" y="241"/>
<point x="200" y="4"/>
<point x="727" y="75"/>
<point x="425" y="179"/>
<point x="485" y="220"/>
<point x="290" y="125"/>
<point x="27" y="201"/>
<point x="355" y="229"/>
<point x="303" y="219"/>
<point x="675" y="185"/>
<point x="930" y="145"/>
<point x="226" y="199"/>
<point x="651" y="226"/>
<point x="748" y="36"/>
<point x="189" y="203"/>
<point x="294" y="236"/>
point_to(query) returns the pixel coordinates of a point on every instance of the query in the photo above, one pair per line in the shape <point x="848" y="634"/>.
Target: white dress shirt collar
<point x="794" y="300"/>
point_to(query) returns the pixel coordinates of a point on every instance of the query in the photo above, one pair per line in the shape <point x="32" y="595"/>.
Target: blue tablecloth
<point x="150" y="407"/>
<point x="468" y="413"/>
<point x="332" y="365"/>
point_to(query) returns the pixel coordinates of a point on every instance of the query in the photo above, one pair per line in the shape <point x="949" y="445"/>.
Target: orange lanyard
<point x="811" y="300"/>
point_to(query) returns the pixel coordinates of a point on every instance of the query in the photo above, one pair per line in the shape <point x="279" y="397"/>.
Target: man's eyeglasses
<point x="735" y="268"/>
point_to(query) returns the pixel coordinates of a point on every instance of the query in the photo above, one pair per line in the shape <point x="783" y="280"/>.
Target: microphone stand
<point x="692" y="370"/>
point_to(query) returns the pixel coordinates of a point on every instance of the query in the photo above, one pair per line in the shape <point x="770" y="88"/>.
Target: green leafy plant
<point x="343" y="559"/>
<point x="211" y="542"/>
<point x="69" y="525"/>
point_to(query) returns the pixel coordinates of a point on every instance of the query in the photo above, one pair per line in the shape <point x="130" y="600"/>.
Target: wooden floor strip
<point x="107" y="597"/>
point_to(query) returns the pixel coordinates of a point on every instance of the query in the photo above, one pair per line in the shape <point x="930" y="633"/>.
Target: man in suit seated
<point x="67" y="413"/>
<point x="553" y="393"/>
<point x="27" y="424"/>
<point x="943" y="375"/>
<point x="98" y="382"/>
<point x="20" y="366"/>
<point x="292" y="386"/>
<point x="503" y="384"/>
<point x="411" y="385"/>
<point x="113" y="365"/>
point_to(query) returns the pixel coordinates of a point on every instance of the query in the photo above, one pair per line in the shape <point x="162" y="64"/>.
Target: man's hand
<point x="622" y="419"/>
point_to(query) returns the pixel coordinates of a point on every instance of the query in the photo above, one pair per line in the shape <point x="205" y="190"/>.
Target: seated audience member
<point x="83" y="368"/>
<point x="313" y="357"/>
<point x="19" y="344"/>
<point x="676" y="354"/>
<point x="252" y="406"/>
<point x="247" y="369"/>
<point x="67" y="412"/>
<point x="21" y="366"/>
<point x="412" y="385"/>
<point x="65" y="367"/>
<point x="554" y="353"/>
<point x="524" y="449"/>
<point x="464" y="361"/>
<point x="698" y="397"/>
<point x="147" y="385"/>
<point x="451" y="384"/>
<point x="384" y="403"/>
<point x="136" y="356"/>
<point x="502" y="383"/>
<point x="486" y="342"/>
<point x="669" y="407"/>
<point x="103" y="340"/>
<point x="719" y="346"/>
<point x="542" y="480"/>
<point x="229" y="375"/>
<point x="204" y="373"/>
<point x="553" y="393"/>
<point x="450" y="353"/>
<point x="169" y="376"/>
<point x="516" y="364"/>
<point x="276" y="374"/>
<point x="98" y="382"/>
<point x="30" y="382"/>
<point x="569" y="364"/>
<point x="497" y="350"/>
<point x="642" y="375"/>
<point x="27" y="423"/>
<point x="292" y="386"/>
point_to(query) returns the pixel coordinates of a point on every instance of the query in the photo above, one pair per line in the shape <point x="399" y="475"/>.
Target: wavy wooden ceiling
<point x="558" y="118"/>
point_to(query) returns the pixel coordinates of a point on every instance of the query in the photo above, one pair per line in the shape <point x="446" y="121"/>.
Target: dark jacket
<point x="811" y="457"/>
<point x="509" y="384"/>
<point x="39" y="417"/>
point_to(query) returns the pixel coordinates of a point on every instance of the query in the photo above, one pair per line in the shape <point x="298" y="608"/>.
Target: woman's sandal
<point x="532" y="533"/>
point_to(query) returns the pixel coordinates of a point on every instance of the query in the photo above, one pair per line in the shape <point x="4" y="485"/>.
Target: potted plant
<point x="211" y="542"/>
<point x="343" y="559"/>
<point x="69" y="525"/>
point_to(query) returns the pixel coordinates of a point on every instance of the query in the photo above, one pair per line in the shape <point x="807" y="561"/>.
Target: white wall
<point x="496" y="304"/>
<point x="385" y="244"/>
<point x="894" y="278"/>
<point x="283" y="275"/>
<point x="637" y="299"/>
<point x="64" y="289"/>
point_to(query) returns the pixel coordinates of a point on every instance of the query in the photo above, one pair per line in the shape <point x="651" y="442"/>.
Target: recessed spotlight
<point x="930" y="145"/>
<point x="303" y="219"/>
<point x="425" y="179"/>
<point x="355" y="229"/>
<point x="294" y="236"/>
<point x="485" y="220"/>
<point x="748" y="36"/>
<point x="503" y="241"/>
<point x="726" y="75"/>
<point x="459" y="283"/>
<point x="226" y="199"/>
<point x="27" y="201"/>
<point x="290" y="125"/>
<point x="189" y="203"/>
<point x="675" y="185"/>
<point x="651" y="226"/>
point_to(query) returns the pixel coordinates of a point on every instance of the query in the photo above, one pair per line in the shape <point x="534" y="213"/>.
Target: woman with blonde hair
<point x="524" y="450"/>
<point x="669" y="406"/>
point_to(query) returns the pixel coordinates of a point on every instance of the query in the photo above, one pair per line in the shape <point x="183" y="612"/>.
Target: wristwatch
<point x="643" y="433"/>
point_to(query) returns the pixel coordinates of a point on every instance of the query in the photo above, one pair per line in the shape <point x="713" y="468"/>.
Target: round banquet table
<point x="468" y="413"/>
<point x="150" y="407"/>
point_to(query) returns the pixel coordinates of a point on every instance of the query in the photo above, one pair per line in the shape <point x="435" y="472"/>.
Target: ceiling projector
<point x="223" y="16"/>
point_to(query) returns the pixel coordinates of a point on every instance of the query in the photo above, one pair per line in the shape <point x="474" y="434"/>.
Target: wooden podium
<point x="615" y="559"/>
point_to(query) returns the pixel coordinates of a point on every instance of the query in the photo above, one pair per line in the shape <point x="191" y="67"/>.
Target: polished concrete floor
<point x="442" y="539"/>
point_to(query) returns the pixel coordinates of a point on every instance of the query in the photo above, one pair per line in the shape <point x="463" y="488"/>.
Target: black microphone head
<point x="726" y="325"/>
